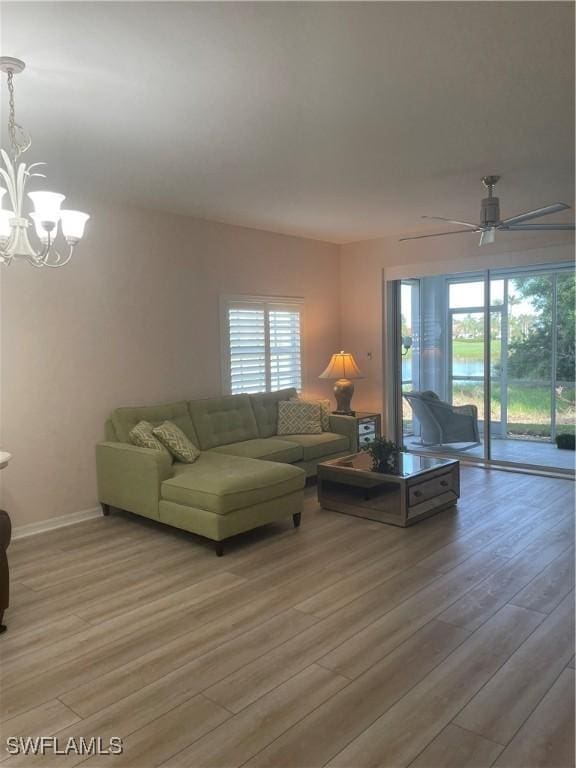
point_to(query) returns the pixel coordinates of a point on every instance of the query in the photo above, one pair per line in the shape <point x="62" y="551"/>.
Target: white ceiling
<point x="337" y="121"/>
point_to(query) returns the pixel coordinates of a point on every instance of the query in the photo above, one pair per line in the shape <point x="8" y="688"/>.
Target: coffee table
<point x="420" y="487"/>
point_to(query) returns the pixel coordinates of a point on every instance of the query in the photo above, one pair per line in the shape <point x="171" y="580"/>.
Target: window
<point x="261" y="344"/>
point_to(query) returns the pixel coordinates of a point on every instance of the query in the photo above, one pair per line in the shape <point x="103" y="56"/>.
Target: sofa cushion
<point x="271" y="449"/>
<point x="315" y="446"/>
<point x="223" y="420"/>
<point x="222" y="484"/>
<point x="125" y="419"/>
<point x="265" y="407"/>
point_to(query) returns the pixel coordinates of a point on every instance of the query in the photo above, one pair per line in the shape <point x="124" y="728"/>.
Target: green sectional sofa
<point x="246" y="475"/>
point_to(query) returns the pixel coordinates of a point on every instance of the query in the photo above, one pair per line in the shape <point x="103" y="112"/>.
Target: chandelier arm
<point x="35" y="259"/>
<point x="35" y="263"/>
<point x="6" y="257"/>
<point x="61" y="262"/>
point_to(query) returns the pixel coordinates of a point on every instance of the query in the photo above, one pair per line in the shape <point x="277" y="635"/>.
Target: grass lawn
<point x="474" y="350"/>
<point x="528" y="406"/>
<point x="528" y="403"/>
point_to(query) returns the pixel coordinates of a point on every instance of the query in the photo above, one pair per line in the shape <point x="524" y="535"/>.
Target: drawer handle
<point x="417" y="493"/>
<point x="444" y="483"/>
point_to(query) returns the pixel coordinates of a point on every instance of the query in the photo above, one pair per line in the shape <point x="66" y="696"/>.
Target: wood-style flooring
<point x="343" y="643"/>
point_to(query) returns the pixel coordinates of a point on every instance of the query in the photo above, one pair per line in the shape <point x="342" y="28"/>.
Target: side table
<point x="368" y="427"/>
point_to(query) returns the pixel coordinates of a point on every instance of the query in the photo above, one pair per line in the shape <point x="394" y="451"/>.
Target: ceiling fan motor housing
<point x="490" y="212"/>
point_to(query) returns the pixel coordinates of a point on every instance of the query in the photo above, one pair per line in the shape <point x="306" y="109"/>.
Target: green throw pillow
<point x="324" y="409"/>
<point x="299" y="418"/>
<point x="180" y="446"/>
<point x="143" y="436"/>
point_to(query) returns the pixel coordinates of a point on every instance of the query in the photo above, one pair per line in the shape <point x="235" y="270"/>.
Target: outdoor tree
<point x="530" y="353"/>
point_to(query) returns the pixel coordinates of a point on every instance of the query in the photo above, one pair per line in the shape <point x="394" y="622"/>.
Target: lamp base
<point x="343" y="391"/>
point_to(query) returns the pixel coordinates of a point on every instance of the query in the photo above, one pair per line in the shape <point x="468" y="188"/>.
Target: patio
<point x="534" y="452"/>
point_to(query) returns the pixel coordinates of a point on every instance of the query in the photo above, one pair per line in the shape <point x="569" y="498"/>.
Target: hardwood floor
<point x="343" y="643"/>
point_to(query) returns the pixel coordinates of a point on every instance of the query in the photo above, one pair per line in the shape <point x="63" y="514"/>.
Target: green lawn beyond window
<point x="528" y="401"/>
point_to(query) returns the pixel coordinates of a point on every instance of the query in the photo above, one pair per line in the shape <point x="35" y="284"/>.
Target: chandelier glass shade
<point x="47" y="218"/>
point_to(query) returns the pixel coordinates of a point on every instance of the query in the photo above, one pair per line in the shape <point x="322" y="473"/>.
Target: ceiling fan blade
<point x="439" y="234"/>
<point x="488" y="236"/>
<point x="452" y="221"/>
<point x="536" y="213"/>
<point x="536" y="227"/>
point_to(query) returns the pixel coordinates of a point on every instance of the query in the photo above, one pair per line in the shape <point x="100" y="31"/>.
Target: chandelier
<point x="47" y="215"/>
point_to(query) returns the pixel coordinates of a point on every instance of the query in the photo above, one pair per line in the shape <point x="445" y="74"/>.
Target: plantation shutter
<point x="284" y="332"/>
<point x="247" y="347"/>
<point x="262" y="345"/>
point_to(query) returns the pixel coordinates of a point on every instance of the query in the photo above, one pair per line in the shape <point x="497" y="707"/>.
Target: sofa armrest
<point x="345" y="425"/>
<point x="130" y="477"/>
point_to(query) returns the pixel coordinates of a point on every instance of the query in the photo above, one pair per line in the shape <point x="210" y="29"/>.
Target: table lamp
<point x="342" y="367"/>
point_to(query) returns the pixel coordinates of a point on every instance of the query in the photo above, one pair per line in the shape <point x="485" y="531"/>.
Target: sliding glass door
<point x="410" y="345"/>
<point x="466" y="362"/>
<point x="487" y="365"/>
<point x="564" y="352"/>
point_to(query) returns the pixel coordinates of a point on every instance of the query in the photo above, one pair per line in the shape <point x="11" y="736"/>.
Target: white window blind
<point x="262" y="345"/>
<point x="247" y="349"/>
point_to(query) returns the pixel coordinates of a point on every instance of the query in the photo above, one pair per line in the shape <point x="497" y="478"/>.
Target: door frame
<point x="393" y="369"/>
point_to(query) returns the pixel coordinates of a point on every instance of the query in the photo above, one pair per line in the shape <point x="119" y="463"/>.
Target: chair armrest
<point x="130" y="477"/>
<point x="345" y="425"/>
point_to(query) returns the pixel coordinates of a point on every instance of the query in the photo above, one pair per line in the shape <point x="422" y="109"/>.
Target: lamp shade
<point x="342" y="366"/>
<point x="47" y="205"/>
<point x="73" y="223"/>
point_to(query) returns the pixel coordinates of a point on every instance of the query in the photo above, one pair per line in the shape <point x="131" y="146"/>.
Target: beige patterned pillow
<point x="299" y="418"/>
<point x="324" y="409"/>
<point x="177" y="443"/>
<point x="142" y="436"/>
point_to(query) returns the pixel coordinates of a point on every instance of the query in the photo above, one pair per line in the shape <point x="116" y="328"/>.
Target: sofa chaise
<point x="246" y="475"/>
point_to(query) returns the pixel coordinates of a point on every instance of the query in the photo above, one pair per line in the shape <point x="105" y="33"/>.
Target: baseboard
<point x="21" y="531"/>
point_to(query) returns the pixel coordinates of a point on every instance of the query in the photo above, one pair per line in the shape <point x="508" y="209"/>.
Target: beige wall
<point x="364" y="267"/>
<point x="134" y="319"/>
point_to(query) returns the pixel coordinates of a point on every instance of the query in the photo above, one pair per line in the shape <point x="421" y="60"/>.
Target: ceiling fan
<point x="490" y="220"/>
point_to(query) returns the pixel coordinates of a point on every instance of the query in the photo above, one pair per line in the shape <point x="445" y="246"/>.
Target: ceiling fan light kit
<point x="48" y="216"/>
<point x="490" y="221"/>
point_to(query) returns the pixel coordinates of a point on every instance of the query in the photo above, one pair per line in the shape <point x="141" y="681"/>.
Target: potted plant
<point x="385" y="454"/>
<point x="566" y="442"/>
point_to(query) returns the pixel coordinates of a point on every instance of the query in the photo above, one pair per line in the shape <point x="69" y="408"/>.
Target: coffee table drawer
<point x="431" y="488"/>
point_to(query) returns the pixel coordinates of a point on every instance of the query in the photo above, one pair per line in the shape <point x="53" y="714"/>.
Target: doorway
<point x="497" y="346"/>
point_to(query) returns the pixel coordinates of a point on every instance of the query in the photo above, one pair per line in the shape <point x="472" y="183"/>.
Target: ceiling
<point x="332" y="120"/>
